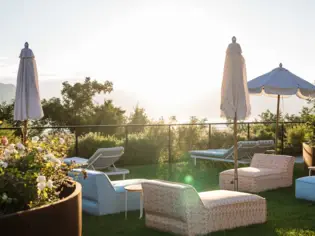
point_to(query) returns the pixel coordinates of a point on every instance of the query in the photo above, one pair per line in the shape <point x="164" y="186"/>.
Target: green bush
<point x="296" y="135"/>
<point x="143" y="150"/>
<point x="263" y="134"/>
<point x="90" y="142"/>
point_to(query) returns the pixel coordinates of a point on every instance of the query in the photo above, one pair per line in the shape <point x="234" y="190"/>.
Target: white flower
<point x="3" y="164"/>
<point x="20" y="146"/>
<point x="4" y="197"/>
<point x="39" y="149"/>
<point x="55" y="160"/>
<point x="49" y="156"/>
<point x="41" y="185"/>
<point x="11" y="146"/>
<point x="41" y="179"/>
<point x="50" y="184"/>
<point x="35" y="139"/>
<point x="61" y="141"/>
<point x="52" y="158"/>
<point x="7" y="152"/>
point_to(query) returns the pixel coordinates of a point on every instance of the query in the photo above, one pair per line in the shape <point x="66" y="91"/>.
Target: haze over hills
<point x="206" y="105"/>
<point x="7" y="92"/>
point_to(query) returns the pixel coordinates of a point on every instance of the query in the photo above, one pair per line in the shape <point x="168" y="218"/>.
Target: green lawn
<point x="286" y="215"/>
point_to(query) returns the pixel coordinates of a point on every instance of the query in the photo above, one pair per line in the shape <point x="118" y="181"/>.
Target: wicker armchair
<point x="266" y="172"/>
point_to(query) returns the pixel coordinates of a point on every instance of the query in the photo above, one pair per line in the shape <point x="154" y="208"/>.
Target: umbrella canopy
<point x="281" y="82"/>
<point x="234" y="92"/>
<point x="27" y="100"/>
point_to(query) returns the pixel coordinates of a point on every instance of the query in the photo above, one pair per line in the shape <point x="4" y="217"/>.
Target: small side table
<point x="134" y="188"/>
<point x="310" y="169"/>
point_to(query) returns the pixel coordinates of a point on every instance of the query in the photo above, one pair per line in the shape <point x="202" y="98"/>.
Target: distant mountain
<point x="7" y="92"/>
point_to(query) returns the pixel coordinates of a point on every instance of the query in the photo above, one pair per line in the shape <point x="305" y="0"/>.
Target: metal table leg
<point x="141" y="205"/>
<point x="126" y="203"/>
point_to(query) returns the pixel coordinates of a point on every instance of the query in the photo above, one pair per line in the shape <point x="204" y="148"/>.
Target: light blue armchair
<point x="101" y="196"/>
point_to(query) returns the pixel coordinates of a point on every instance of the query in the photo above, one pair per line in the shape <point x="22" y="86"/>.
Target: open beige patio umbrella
<point x="27" y="99"/>
<point x="234" y="93"/>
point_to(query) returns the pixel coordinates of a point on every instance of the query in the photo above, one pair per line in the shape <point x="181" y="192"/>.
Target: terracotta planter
<point x="308" y="157"/>
<point x="62" y="218"/>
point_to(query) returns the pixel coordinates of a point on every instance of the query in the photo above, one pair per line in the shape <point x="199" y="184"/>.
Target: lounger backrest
<point x="260" y="146"/>
<point x="105" y="157"/>
<point x="94" y="186"/>
<point x="98" y="194"/>
<point x="247" y="144"/>
<point x="171" y="200"/>
<point x="264" y="145"/>
<point x="245" y="147"/>
<point x="282" y="163"/>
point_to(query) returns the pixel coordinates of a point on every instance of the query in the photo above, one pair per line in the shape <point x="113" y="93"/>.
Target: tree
<point x="54" y="113"/>
<point x="107" y="114"/>
<point x="268" y="116"/>
<point x="6" y="113"/>
<point x="76" y="107"/>
<point x="138" y="117"/>
<point x="78" y="99"/>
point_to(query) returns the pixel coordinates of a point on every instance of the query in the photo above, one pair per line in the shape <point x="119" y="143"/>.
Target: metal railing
<point x="77" y="128"/>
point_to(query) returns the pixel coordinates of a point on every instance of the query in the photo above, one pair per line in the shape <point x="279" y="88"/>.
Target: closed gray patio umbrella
<point x="234" y="93"/>
<point x="27" y="98"/>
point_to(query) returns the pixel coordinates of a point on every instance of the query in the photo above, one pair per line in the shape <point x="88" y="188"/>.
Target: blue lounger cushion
<point x="210" y="152"/>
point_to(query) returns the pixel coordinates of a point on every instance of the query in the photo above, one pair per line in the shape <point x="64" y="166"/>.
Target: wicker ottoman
<point x="231" y="209"/>
<point x="251" y="180"/>
<point x="304" y="188"/>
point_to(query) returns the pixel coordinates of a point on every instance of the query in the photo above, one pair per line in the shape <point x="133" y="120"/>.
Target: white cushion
<point x="252" y="172"/>
<point x="224" y="197"/>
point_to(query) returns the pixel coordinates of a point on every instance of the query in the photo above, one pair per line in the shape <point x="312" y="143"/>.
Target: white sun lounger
<point x="103" y="158"/>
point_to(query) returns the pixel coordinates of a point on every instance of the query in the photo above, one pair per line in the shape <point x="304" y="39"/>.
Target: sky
<point x="170" y="52"/>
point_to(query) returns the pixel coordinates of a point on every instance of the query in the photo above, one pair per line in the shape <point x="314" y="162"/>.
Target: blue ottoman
<point x="305" y="188"/>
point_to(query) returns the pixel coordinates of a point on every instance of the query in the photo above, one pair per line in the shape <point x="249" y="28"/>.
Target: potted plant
<point x="309" y="145"/>
<point x="37" y="197"/>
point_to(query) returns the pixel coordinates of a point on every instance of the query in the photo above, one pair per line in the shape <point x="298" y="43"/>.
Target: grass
<point x="286" y="214"/>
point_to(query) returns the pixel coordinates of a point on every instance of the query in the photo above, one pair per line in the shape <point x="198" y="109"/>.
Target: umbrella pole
<point x="235" y="155"/>
<point x="25" y="132"/>
<point x="277" y="123"/>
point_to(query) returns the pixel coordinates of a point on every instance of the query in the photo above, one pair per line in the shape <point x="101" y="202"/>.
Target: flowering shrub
<point x="32" y="175"/>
